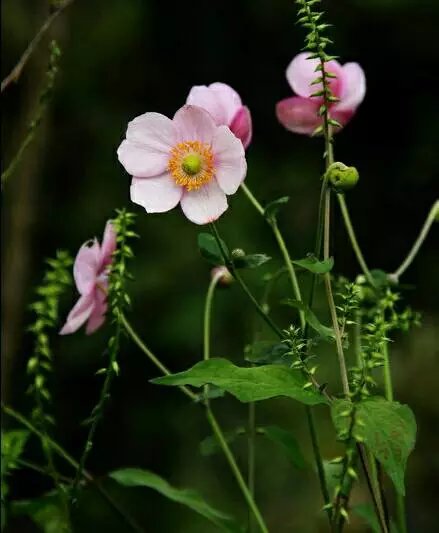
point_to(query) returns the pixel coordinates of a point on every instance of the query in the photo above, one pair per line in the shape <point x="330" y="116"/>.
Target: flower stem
<point x="244" y="287"/>
<point x="355" y="246"/>
<point x="211" y="418"/>
<point x="434" y="211"/>
<point x="72" y="462"/>
<point x="137" y="340"/>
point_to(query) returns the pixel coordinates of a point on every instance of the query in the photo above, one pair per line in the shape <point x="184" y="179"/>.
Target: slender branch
<point x="18" y="69"/>
<point x="72" y="462"/>
<point x="252" y="199"/>
<point x="355" y="246"/>
<point x="432" y="216"/>
<point x="137" y="340"/>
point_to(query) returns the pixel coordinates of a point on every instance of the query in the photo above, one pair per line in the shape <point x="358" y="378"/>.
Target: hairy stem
<point x="72" y="462"/>
<point x="434" y="211"/>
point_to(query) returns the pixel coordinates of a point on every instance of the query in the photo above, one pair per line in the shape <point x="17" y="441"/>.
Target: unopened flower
<point x="90" y="272"/>
<point x="300" y="113"/>
<point x="187" y="160"/>
<point x="223" y="274"/>
<point x="225" y="106"/>
<point x="342" y="177"/>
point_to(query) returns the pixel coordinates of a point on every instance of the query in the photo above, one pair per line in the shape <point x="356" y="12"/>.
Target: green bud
<point x="342" y="177"/>
<point x="237" y="253"/>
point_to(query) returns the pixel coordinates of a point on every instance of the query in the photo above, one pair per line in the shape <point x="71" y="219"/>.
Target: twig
<point x="18" y="69"/>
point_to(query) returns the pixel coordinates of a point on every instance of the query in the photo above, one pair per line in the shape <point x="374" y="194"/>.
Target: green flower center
<point x="192" y="164"/>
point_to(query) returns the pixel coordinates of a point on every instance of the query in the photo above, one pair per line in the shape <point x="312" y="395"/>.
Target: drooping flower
<point x="90" y="272"/>
<point x="225" y="106"/>
<point x="300" y="113"/>
<point x="187" y="160"/>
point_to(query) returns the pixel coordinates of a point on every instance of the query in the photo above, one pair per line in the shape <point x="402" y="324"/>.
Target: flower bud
<point x="225" y="277"/>
<point x="342" y="177"/>
<point x="237" y="253"/>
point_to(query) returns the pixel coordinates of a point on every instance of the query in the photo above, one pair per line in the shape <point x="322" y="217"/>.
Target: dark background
<point x="122" y="58"/>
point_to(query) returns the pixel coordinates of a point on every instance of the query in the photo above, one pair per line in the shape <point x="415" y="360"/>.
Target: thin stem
<point x="330" y="297"/>
<point x="72" y="462"/>
<point x="252" y="199"/>
<point x="355" y="246"/>
<point x="18" y="69"/>
<point x="434" y="211"/>
<point x="251" y="474"/>
<point x="210" y="416"/>
<point x="235" y="469"/>
<point x="137" y="340"/>
<point x="244" y="287"/>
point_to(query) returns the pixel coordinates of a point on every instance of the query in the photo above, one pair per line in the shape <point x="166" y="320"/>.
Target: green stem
<point x="235" y="469"/>
<point x="72" y="462"/>
<point x="211" y="418"/>
<point x="252" y="199"/>
<point x="137" y="340"/>
<point x="355" y="246"/>
<point x="434" y="211"/>
<point x="243" y="285"/>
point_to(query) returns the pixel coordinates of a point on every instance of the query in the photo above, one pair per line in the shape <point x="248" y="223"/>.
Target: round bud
<point x="225" y="278"/>
<point x="342" y="177"/>
<point x="237" y="253"/>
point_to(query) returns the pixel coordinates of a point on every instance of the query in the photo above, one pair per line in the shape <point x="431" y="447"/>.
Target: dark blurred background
<point x="122" y="58"/>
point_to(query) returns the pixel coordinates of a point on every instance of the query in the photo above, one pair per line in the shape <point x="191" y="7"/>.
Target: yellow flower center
<point x="191" y="164"/>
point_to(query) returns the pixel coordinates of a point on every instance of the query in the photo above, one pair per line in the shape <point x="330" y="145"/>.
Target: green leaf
<point x="46" y="512"/>
<point x="136" y="477"/>
<point x="267" y="353"/>
<point x="250" y="261"/>
<point x="210" y="250"/>
<point x="325" y="332"/>
<point x="246" y="384"/>
<point x="13" y="443"/>
<point x="210" y="445"/>
<point x="315" y="266"/>
<point x="389" y="431"/>
<point x="272" y="208"/>
<point x="289" y="444"/>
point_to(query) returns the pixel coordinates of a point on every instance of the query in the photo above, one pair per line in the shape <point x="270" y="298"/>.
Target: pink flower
<point x="300" y="113"/>
<point x="90" y="272"/>
<point x="225" y="106"/>
<point x="187" y="160"/>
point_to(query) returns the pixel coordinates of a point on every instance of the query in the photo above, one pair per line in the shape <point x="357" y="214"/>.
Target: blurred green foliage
<point x="122" y="58"/>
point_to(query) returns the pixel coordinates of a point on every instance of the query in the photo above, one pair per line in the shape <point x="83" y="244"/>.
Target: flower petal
<point x="86" y="266"/>
<point x="153" y="130"/>
<point x="354" y="87"/>
<point x="301" y="73"/>
<point x="79" y="314"/>
<point x="229" y="98"/>
<point x="142" y="160"/>
<point x="194" y="124"/>
<point x="108" y="245"/>
<point x="156" y="195"/>
<point x="202" y="96"/>
<point x="298" y="114"/>
<point x="241" y="125"/>
<point x="204" y="205"/>
<point x="97" y="317"/>
<point x="230" y="163"/>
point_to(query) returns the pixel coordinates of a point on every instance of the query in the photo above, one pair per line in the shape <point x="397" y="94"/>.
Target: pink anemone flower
<point x="300" y="113"/>
<point x="90" y="272"/>
<point x="225" y="106"/>
<point x="187" y="160"/>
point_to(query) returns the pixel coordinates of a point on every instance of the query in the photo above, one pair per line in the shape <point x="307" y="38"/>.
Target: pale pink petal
<point x="301" y="73"/>
<point x="298" y="114"/>
<point x="153" y="130"/>
<point x="204" y="205"/>
<point x="229" y="98"/>
<point x="241" y="125"/>
<point x="108" y="245"/>
<point x="354" y="87"/>
<point x="79" y="314"/>
<point x="343" y="117"/>
<point x="156" y="195"/>
<point x="202" y="96"/>
<point x="230" y="163"/>
<point x="142" y="160"/>
<point x="97" y="317"/>
<point x="86" y="266"/>
<point x="194" y="124"/>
